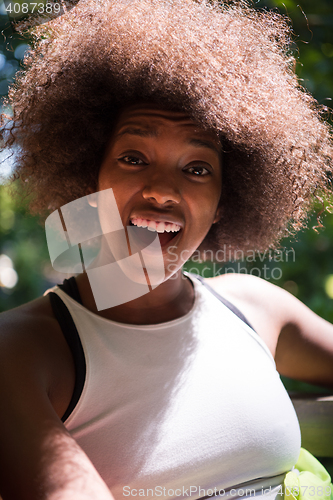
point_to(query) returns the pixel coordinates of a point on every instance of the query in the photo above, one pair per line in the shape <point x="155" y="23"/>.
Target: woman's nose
<point x="161" y="191"/>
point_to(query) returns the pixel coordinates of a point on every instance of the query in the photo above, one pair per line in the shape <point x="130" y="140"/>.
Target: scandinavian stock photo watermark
<point x="266" y="265"/>
<point x="125" y="267"/>
<point x="125" y="261"/>
<point x="202" y="493"/>
<point x="186" y="491"/>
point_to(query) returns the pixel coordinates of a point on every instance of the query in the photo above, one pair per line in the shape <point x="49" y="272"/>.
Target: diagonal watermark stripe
<point x="120" y="265"/>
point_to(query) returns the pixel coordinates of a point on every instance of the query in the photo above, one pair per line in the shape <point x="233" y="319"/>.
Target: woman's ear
<point x="217" y="215"/>
<point x="92" y="197"/>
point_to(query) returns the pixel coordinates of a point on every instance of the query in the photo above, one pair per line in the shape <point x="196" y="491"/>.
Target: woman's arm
<point x="300" y="341"/>
<point x="38" y="457"/>
<point x="304" y="349"/>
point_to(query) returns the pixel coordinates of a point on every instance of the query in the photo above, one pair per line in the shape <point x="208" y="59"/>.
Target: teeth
<point x="160" y="227"/>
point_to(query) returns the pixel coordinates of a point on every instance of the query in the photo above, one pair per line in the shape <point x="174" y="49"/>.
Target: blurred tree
<point x="22" y="249"/>
<point x="312" y="23"/>
<point x="25" y="268"/>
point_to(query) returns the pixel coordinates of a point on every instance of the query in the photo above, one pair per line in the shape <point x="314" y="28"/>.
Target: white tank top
<point x="177" y="409"/>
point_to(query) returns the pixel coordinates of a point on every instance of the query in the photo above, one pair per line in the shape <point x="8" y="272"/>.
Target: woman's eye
<point x="132" y="160"/>
<point x="198" y="170"/>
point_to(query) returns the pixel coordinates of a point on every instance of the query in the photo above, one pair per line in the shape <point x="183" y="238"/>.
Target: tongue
<point x="165" y="237"/>
<point x="140" y="237"/>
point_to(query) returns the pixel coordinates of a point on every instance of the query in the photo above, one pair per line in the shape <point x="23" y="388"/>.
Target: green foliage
<point x="312" y="24"/>
<point x="23" y="240"/>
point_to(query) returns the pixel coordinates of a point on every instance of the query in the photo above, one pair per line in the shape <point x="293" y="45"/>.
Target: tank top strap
<point x="72" y="338"/>
<point x="224" y="301"/>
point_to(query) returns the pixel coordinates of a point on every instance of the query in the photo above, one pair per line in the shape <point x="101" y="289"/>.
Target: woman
<point x="188" y="115"/>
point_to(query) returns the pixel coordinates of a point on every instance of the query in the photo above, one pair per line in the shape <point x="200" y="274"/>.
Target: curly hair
<point x="225" y="64"/>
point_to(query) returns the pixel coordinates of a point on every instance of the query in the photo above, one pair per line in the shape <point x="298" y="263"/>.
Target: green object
<point x="309" y="480"/>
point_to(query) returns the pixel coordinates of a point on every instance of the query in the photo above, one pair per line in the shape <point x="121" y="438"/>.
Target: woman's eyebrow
<point x="206" y="144"/>
<point x="142" y="132"/>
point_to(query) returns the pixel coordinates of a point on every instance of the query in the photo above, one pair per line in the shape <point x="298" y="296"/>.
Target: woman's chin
<point x="134" y="270"/>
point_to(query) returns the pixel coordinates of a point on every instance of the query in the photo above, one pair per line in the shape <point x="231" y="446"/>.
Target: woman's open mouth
<point x="145" y="230"/>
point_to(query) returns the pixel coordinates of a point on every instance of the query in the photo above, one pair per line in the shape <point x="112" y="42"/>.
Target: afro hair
<point x="225" y="64"/>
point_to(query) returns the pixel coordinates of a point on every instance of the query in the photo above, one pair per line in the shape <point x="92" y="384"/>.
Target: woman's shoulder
<point x="250" y="289"/>
<point x="257" y="299"/>
<point x="300" y="341"/>
<point x="31" y="337"/>
<point x="265" y="299"/>
<point x="28" y="320"/>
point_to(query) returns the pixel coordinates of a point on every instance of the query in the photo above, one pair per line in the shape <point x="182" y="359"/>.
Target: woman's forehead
<point x="151" y="109"/>
<point x="151" y="117"/>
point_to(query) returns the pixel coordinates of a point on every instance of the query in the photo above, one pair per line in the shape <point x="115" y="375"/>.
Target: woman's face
<point x="164" y="168"/>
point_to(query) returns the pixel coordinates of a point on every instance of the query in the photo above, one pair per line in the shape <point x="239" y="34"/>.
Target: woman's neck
<point x="171" y="300"/>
